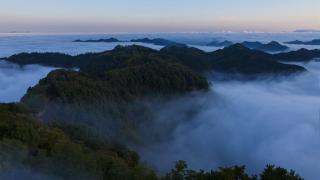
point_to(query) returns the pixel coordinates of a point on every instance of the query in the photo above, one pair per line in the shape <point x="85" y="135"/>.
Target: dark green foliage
<point x="45" y="59"/>
<point x="15" y="108"/>
<point x="181" y="172"/>
<point x="156" y="77"/>
<point x="26" y="143"/>
<point x="136" y="77"/>
<point x="119" y="57"/>
<point x="123" y="73"/>
<point x="239" y="59"/>
<point x="234" y="59"/>
<point x="301" y="55"/>
<point x="102" y="93"/>
<point x="193" y="58"/>
<point x="277" y="173"/>
<point x="59" y="153"/>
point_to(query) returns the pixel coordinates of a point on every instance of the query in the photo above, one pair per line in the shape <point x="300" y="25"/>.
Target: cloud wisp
<point x="15" y="80"/>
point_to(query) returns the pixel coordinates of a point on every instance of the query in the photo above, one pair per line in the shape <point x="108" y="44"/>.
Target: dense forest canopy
<point x="301" y="55"/>
<point x="28" y="143"/>
<point x="100" y="94"/>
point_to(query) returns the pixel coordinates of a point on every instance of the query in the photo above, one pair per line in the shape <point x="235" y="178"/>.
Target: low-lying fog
<point x="15" y="80"/>
<point x="252" y="124"/>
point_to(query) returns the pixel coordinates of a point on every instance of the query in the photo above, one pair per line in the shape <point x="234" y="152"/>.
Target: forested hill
<point x="77" y="124"/>
<point x="52" y="152"/>
<point x="158" y="41"/>
<point x="45" y="59"/>
<point x="272" y="46"/>
<point x="233" y="59"/>
<point x="101" y="95"/>
<point x="301" y="55"/>
<point x="239" y="59"/>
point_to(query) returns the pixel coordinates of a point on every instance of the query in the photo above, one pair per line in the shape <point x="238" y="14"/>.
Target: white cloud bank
<point x="252" y="124"/>
<point x="15" y="80"/>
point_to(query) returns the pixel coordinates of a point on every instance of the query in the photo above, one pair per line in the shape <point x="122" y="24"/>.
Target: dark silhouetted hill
<point x="157" y="41"/>
<point x="109" y="40"/>
<point x="301" y="55"/>
<point x="216" y="43"/>
<point x="269" y="47"/>
<point x="233" y="59"/>
<point x="312" y="42"/>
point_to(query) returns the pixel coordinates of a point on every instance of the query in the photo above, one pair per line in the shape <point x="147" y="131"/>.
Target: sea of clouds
<point x="246" y="123"/>
<point x="14" y="43"/>
<point x="251" y="123"/>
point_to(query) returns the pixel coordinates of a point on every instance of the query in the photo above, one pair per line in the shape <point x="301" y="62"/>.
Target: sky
<point x="97" y="16"/>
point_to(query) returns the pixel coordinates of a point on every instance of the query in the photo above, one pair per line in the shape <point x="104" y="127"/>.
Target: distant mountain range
<point x="216" y="43"/>
<point x="269" y="47"/>
<point x="156" y="41"/>
<point x="312" y="42"/>
<point x="307" y="30"/>
<point x="233" y="59"/>
<point x="99" y="40"/>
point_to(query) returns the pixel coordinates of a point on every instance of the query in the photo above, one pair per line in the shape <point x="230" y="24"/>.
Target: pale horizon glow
<point x="99" y="16"/>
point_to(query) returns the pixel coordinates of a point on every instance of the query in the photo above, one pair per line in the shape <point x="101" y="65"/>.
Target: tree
<point x="277" y="173"/>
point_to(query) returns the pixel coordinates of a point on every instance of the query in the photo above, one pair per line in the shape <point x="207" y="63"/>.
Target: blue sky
<point x="158" y="15"/>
